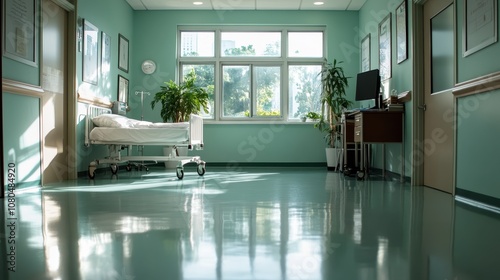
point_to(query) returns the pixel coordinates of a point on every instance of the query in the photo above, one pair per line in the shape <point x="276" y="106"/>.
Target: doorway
<point x="55" y="97"/>
<point x="434" y="110"/>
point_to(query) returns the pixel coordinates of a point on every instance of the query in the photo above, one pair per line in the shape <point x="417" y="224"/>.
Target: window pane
<point x="197" y="44"/>
<point x="304" y="90"/>
<point x="204" y="78"/>
<point x="236" y="91"/>
<point x="268" y="98"/>
<point x="251" y="44"/>
<point x="305" y="44"/>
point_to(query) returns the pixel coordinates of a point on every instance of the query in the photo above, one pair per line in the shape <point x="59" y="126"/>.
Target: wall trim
<point x="481" y="84"/>
<point x="16" y="87"/>
<point x="92" y="100"/>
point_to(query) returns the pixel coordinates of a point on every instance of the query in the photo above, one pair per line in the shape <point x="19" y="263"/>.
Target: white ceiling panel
<point x="278" y="4"/>
<point x="245" y="5"/>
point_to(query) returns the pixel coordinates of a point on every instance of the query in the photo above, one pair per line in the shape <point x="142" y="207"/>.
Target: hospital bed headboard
<point x="93" y="111"/>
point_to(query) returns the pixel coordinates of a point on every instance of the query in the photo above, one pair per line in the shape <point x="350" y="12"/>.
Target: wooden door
<point x="439" y="57"/>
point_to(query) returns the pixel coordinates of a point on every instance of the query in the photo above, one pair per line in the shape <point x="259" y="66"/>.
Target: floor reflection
<point x="284" y="224"/>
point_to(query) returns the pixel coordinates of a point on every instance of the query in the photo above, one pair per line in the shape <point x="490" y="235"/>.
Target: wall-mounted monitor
<point x="368" y="86"/>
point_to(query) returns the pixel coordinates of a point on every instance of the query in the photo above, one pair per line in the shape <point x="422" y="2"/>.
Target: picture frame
<point x="402" y="32"/>
<point x="365" y="53"/>
<point x="123" y="49"/>
<point x="20" y="32"/>
<point x="480" y="25"/>
<point x="385" y="50"/>
<point x="122" y="89"/>
<point x="105" y="54"/>
<point x="90" y="61"/>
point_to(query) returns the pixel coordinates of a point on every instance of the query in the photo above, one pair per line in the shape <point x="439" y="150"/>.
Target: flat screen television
<point x="368" y="86"/>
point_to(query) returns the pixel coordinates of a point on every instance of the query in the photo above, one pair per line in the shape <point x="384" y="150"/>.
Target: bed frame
<point x="114" y="158"/>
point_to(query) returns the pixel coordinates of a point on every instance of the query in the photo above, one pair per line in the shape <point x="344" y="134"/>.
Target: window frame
<point x="283" y="61"/>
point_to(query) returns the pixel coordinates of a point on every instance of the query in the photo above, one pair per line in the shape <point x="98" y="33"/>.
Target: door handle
<point x="423" y="107"/>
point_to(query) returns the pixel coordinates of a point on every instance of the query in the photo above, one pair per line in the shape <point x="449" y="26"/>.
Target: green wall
<point x="477" y="120"/>
<point x="112" y="17"/>
<point x="477" y="136"/>
<point x="479" y="63"/>
<point x="21" y="141"/>
<point x="370" y="15"/>
<point x="155" y="34"/>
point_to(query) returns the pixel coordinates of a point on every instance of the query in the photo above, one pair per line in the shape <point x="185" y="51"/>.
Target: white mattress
<point x="140" y="136"/>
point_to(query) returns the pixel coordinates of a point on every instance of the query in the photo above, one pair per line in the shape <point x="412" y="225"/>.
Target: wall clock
<point x="148" y="67"/>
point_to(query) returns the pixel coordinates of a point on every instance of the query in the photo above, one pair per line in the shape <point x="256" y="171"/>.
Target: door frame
<point x="417" y="155"/>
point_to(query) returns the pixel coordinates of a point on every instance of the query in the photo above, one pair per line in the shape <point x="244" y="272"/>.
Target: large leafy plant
<point x="333" y="100"/>
<point x="179" y="101"/>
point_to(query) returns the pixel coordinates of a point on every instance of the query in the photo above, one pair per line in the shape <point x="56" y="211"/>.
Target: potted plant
<point x="178" y="102"/>
<point x="333" y="103"/>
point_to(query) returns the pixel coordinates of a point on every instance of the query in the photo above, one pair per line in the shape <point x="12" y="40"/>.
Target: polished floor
<point x="247" y="223"/>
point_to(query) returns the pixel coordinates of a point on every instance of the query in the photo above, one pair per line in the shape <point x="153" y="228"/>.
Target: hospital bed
<point x="120" y="133"/>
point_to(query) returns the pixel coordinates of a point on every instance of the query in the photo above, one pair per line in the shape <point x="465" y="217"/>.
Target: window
<point x="304" y="90"/>
<point x="255" y="73"/>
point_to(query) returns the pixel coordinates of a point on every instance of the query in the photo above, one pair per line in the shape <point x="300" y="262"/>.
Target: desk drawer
<point x="358" y="120"/>
<point x="358" y="133"/>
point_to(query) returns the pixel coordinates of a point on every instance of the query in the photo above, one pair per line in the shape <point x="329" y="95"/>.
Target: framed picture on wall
<point x="122" y="89"/>
<point x="122" y="53"/>
<point x="401" y="32"/>
<point x="385" y="52"/>
<point x="480" y="25"/>
<point x="365" y="54"/>
<point x="105" y="54"/>
<point x="90" y="52"/>
<point x="20" y="32"/>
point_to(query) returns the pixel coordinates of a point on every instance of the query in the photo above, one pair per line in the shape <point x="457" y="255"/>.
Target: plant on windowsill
<point x="333" y="103"/>
<point x="179" y="101"/>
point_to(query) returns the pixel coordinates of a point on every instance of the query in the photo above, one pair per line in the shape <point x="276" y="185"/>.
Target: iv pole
<point x="140" y="148"/>
<point x="142" y="101"/>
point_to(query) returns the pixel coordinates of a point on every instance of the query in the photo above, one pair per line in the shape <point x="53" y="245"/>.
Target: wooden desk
<point x="378" y="127"/>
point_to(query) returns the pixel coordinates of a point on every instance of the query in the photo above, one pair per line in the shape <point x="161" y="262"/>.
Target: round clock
<point x="148" y="66"/>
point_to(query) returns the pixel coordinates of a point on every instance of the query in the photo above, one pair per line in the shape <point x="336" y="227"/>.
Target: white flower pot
<point x="333" y="157"/>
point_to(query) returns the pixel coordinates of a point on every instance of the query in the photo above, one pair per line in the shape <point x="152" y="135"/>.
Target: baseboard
<point x="479" y="200"/>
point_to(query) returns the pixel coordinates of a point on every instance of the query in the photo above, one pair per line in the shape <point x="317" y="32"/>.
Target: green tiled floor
<point x="250" y="223"/>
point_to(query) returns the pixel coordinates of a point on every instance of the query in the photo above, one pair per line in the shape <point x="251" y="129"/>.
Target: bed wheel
<point x="128" y="167"/>
<point x="201" y="169"/>
<point x="114" y="168"/>
<point x="180" y="173"/>
<point x="360" y="175"/>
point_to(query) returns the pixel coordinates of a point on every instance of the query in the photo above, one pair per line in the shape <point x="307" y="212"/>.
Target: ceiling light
<point x="198" y="3"/>
<point x="318" y="3"/>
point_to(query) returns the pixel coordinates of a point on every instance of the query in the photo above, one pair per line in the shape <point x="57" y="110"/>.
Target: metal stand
<point x="140" y="148"/>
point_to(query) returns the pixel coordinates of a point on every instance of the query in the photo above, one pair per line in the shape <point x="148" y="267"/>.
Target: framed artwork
<point x="90" y="52"/>
<point x="20" y="31"/>
<point x="385" y="52"/>
<point x="105" y="54"/>
<point x="122" y="53"/>
<point x="401" y="32"/>
<point x="122" y="89"/>
<point x="480" y="25"/>
<point x="365" y="54"/>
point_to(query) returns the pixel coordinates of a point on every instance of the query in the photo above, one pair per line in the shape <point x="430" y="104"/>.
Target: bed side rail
<point x="93" y="111"/>
<point x="196" y="131"/>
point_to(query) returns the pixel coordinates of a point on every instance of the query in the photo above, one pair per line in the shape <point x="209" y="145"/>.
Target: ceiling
<point x="342" y="5"/>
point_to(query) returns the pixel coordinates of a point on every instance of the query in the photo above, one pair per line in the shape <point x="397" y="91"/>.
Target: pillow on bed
<point x="111" y="120"/>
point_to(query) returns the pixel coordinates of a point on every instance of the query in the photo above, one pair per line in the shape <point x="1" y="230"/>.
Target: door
<point x="54" y="109"/>
<point x="439" y="56"/>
